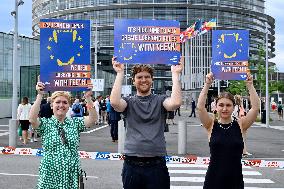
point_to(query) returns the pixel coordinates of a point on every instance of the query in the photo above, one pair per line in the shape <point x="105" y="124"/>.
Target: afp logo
<point x="103" y="155"/>
<point x="39" y="152"/>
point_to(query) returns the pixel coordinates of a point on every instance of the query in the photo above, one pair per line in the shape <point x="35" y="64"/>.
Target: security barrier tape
<point x="118" y="156"/>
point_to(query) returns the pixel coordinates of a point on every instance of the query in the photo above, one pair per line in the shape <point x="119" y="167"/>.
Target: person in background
<point x="108" y="105"/>
<point x="45" y="109"/>
<point x="77" y="109"/>
<point x="114" y="117"/>
<point x="103" y="108"/>
<point x="193" y="107"/>
<point x="177" y="111"/>
<point x="60" y="165"/>
<point x="280" y="110"/>
<point x="23" y="112"/>
<point x="225" y="136"/>
<point x="170" y="117"/>
<point x="145" y="114"/>
<point x="97" y="108"/>
<point x="238" y="113"/>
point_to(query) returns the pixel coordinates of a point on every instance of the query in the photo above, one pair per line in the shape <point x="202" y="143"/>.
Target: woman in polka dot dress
<point x="60" y="166"/>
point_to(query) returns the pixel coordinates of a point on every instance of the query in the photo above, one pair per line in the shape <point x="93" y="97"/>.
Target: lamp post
<point x="13" y="121"/>
<point x="266" y="81"/>
<point x="96" y="53"/>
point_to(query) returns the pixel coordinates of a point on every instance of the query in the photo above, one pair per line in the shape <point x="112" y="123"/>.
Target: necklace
<point x="230" y="125"/>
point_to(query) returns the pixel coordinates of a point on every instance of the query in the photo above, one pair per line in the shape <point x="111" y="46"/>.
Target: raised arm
<point x="204" y="116"/>
<point x="250" y="118"/>
<point x="36" y="106"/>
<point x="175" y="100"/>
<point x="115" y="97"/>
<point x="91" y="119"/>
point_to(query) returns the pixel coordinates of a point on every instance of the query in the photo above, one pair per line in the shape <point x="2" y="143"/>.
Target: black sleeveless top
<point x="226" y="148"/>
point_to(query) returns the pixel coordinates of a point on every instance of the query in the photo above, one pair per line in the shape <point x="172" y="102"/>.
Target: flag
<point x="198" y="28"/>
<point x="208" y="26"/>
<point x="212" y="23"/>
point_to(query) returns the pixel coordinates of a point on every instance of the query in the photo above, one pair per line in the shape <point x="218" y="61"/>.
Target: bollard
<point x="13" y="132"/>
<point x="121" y="136"/>
<point x="182" y="137"/>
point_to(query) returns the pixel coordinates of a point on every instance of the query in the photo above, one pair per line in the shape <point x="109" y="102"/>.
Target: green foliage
<point x="260" y="81"/>
<point x="237" y="87"/>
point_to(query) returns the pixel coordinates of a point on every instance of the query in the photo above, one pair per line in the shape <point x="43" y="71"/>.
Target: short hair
<point x="61" y="93"/>
<point x="226" y="95"/>
<point x="141" y="68"/>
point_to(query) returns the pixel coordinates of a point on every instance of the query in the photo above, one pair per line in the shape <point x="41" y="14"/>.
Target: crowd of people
<point x="59" y="119"/>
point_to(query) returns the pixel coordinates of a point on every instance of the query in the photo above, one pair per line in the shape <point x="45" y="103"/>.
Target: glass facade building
<point x="28" y="56"/>
<point x="230" y="14"/>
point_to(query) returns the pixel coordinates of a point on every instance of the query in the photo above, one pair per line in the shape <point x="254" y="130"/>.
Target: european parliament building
<point x="230" y="14"/>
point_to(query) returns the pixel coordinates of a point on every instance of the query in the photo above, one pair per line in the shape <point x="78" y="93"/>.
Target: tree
<point x="239" y="87"/>
<point x="260" y="79"/>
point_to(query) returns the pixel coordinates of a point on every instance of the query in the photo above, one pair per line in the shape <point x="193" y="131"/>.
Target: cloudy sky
<point x="274" y="8"/>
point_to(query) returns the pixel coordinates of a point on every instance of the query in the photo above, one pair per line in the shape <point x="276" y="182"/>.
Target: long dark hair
<point x="25" y="100"/>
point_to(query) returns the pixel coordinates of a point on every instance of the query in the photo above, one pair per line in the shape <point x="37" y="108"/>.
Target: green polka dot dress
<point x="60" y="165"/>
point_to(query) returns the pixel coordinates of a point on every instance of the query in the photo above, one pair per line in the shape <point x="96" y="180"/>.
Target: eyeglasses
<point x="61" y="133"/>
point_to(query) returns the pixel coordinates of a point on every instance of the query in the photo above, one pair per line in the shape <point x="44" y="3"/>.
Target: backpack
<point x="76" y="109"/>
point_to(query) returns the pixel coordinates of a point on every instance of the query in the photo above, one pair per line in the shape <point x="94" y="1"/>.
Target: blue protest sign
<point x="65" y="54"/>
<point x="230" y="52"/>
<point x="139" y="41"/>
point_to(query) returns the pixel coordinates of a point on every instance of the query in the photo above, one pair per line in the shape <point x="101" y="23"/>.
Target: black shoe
<point x="189" y="116"/>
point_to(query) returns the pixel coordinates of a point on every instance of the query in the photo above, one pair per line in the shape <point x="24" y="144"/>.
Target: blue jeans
<point x="145" y="176"/>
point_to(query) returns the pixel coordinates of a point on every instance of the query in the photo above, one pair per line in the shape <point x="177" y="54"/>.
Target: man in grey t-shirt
<point x="145" y="146"/>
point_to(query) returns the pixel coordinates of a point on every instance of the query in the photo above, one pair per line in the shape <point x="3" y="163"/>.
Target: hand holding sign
<point x="209" y="78"/>
<point x="40" y="86"/>
<point x="249" y="80"/>
<point x="179" y="67"/>
<point x="118" y="67"/>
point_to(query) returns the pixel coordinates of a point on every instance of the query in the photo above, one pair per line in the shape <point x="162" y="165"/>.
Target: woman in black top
<point x="225" y="135"/>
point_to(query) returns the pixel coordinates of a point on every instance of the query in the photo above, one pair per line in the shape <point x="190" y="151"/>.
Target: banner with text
<point x="65" y="54"/>
<point x="147" y="41"/>
<point x="230" y="53"/>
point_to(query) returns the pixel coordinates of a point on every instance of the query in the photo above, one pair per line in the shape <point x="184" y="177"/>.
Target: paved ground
<point x="19" y="172"/>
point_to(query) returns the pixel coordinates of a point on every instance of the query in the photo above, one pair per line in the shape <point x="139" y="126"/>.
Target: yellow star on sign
<point x="79" y="38"/>
<point x="50" y="39"/>
<point x="49" y="47"/>
<point x="81" y="46"/>
<point x="51" y="57"/>
<point x="78" y="54"/>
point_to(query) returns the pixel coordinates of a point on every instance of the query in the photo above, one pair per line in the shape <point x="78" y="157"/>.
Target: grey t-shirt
<point x="145" y="122"/>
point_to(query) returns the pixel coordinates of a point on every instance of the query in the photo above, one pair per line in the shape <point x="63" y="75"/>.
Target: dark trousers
<point x="177" y="111"/>
<point x="114" y="129"/>
<point x="192" y="112"/>
<point x="145" y="175"/>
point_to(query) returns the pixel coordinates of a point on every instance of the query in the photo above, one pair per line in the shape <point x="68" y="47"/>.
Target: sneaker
<point x="32" y="140"/>
<point x="35" y="140"/>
